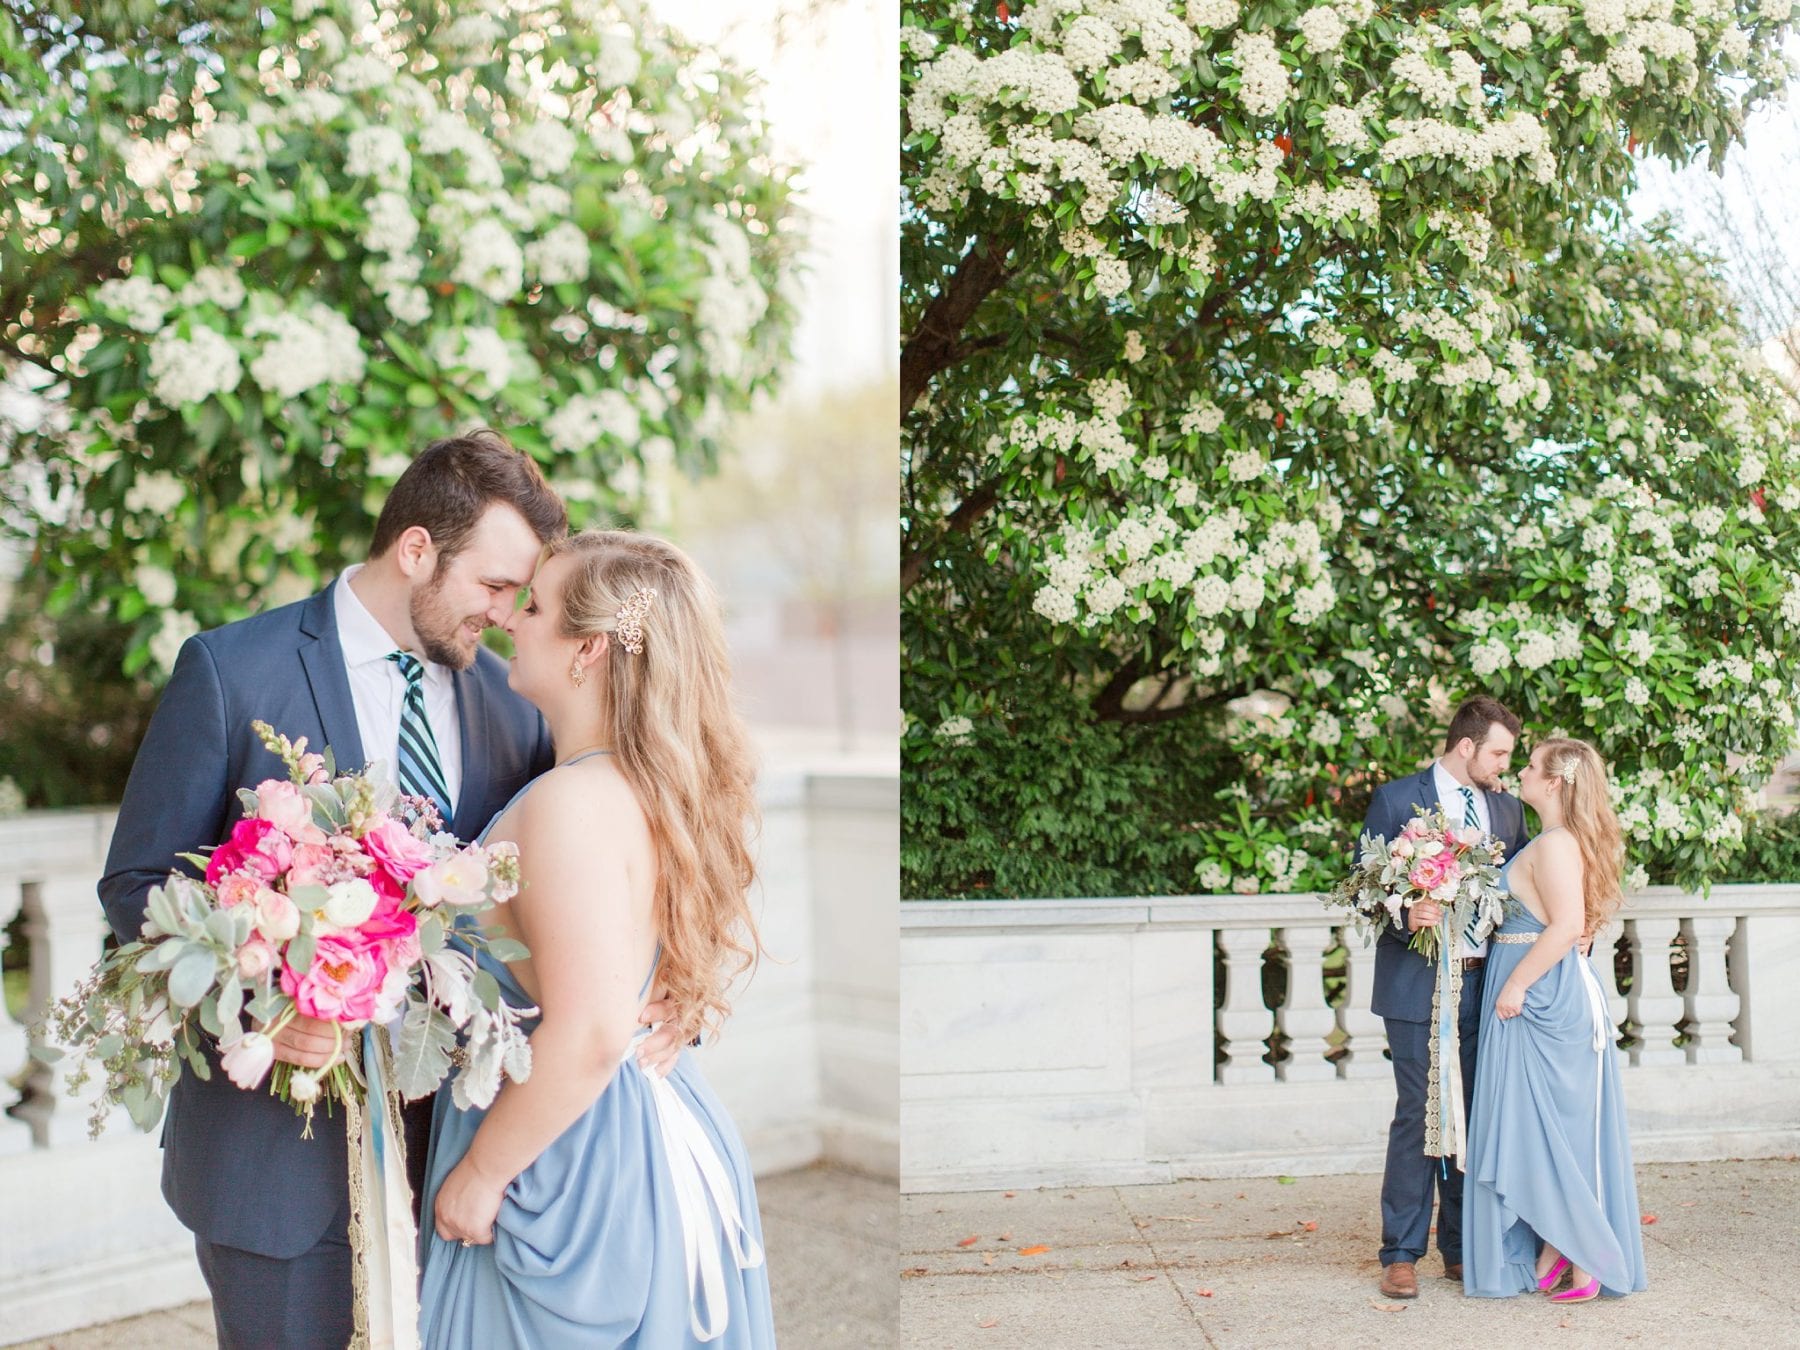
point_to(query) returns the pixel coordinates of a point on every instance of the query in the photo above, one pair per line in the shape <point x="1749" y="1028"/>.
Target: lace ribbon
<point x="384" y="1272"/>
<point x="703" y="1190"/>
<point x="1446" y="1126"/>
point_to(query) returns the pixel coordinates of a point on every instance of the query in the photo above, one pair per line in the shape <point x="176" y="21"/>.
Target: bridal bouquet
<point x="1457" y="866"/>
<point x="334" y="898"/>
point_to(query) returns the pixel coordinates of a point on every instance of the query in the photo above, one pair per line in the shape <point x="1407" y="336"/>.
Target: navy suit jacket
<point x="1404" y="980"/>
<point x="235" y="1169"/>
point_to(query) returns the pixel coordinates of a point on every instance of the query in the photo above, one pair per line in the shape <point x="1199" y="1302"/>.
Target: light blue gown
<point x="1549" y="1156"/>
<point x="589" y="1247"/>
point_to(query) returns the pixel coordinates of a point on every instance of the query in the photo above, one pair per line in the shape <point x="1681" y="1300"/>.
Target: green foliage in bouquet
<point x="1285" y="373"/>
<point x="254" y="256"/>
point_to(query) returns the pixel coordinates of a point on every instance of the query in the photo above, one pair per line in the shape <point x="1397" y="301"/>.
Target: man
<point x="1464" y="782"/>
<point x="385" y="664"/>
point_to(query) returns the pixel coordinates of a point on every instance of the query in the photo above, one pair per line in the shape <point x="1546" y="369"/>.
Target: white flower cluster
<point x="379" y="153"/>
<point x="230" y="144"/>
<point x="155" y="494"/>
<point x="562" y="255"/>
<point x="547" y="147"/>
<point x="1263" y="86"/>
<point x="192" y="369"/>
<point x="476" y="357"/>
<point x="1322" y="28"/>
<point x="392" y="227"/>
<point x="140" y="302"/>
<point x="304" y="350"/>
<point x="587" y="419"/>
<point x="212" y="286"/>
<point x="489" y="259"/>
<point x="731" y="301"/>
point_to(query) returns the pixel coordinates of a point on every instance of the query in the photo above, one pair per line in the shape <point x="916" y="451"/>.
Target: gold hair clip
<point x="628" y="623"/>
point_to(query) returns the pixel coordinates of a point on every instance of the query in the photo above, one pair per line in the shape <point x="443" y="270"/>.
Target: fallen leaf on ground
<point x="1037" y="1250"/>
<point x="1140" y="1279"/>
<point x="1005" y="1237"/>
<point x="1311" y="1225"/>
<point x="988" y="1323"/>
<point x="970" y="1241"/>
<point x="1649" y="1218"/>
<point x="1285" y="1181"/>
<point x="987" y="1258"/>
<point x="1285" y="1232"/>
<point x="1204" y="1293"/>
<point x="913" y="1272"/>
<point x="1689" y="1204"/>
<point x="1240" y="1195"/>
<point x="1379" y="1306"/>
<point x="1009" y="1195"/>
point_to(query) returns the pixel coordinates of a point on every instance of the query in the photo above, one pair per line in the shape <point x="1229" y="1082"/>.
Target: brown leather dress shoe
<point x="1453" y="1272"/>
<point x="1400" y="1280"/>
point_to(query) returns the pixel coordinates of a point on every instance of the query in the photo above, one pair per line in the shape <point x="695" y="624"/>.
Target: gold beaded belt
<point x="1513" y="937"/>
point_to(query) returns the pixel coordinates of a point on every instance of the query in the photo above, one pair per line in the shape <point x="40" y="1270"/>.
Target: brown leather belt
<point x="1473" y="963"/>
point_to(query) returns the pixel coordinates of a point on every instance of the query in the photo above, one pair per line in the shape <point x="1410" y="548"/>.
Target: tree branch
<point x="935" y="344"/>
<point x="972" y="508"/>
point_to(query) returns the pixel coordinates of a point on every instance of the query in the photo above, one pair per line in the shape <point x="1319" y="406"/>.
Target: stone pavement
<point x="1259" y="1263"/>
<point x="830" y="1236"/>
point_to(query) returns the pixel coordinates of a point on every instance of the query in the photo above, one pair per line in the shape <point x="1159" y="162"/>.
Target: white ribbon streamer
<point x="1596" y="998"/>
<point x="702" y="1189"/>
<point x="390" y="1241"/>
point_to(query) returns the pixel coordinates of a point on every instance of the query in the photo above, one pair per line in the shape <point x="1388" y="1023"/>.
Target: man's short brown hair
<point x="453" y="481"/>
<point x="1476" y="717"/>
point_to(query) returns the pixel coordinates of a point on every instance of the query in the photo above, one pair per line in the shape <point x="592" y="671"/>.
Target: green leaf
<point x="191" y="976"/>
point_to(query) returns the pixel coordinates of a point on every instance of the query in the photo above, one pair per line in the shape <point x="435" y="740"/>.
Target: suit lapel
<point x="471" y="725"/>
<point x="322" y="657"/>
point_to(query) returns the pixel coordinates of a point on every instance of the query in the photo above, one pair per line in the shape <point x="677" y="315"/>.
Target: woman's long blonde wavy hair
<point x="681" y="744"/>
<point x="1588" y="815"/>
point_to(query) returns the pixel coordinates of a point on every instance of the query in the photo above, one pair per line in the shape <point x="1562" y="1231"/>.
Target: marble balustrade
<point x="1062" y="1042"/>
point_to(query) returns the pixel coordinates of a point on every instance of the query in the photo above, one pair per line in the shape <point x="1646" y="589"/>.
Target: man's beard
<point x="436" y="627"/>
<point x="1489" y="784"/>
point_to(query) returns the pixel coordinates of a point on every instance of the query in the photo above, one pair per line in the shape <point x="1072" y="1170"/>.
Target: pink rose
<point x="256" y="846"/>
<point x="236" y="888"/>
<point x="255" y="958"/>
<point x="344" y="981"/>
<point x="314" y="865"/>
<point x="286" y="807"/>
<point x="397" y="851"/>
<point x="1467" y="835"/>
<point x="277" y="917"/>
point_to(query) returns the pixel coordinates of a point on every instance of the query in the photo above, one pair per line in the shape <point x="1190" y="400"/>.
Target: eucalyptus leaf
<point x="422" y="1055"/>
<point x="191" y="976"/>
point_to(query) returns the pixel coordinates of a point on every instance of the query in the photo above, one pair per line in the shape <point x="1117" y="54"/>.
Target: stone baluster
<point x="1605" y="957"/>
<point x="1304" y="1017"/>
<point x="1244" y="1022"/>
<point x="66" y="929"/>
<point x="1368" y="1037"/>
<point x="15" y="1135"/>
<point x="1655" y="1006"/>
<point x="1711" y="1004"/>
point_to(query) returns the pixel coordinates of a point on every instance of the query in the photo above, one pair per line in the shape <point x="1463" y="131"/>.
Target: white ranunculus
<point x="349" y="903"/>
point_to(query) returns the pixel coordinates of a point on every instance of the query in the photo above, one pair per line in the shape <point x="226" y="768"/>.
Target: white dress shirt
<point x="378" y="690"/>
<point x="1450" y="798"/>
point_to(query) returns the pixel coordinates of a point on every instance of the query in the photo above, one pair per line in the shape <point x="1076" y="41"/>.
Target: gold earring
<point x="577" y="673"/>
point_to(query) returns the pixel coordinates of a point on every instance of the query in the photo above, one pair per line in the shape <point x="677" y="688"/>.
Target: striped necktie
<point x="1470" y="818"/>
<point x="418" y="773"/>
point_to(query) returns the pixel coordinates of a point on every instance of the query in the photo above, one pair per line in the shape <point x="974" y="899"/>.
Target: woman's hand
<point x="467" y="1205"/>
<point x="1511" y="1001"/>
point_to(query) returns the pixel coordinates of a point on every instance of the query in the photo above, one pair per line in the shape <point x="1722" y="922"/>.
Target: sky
<point x="829" y="94"/>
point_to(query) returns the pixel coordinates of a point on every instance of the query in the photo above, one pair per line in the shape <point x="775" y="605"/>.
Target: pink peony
<point x="1431" y="871"/>
<point x="286" y="807"/>
<point x="397" y="851"/>
<point x="256" y="846"/>
<point x="344" y="981"/>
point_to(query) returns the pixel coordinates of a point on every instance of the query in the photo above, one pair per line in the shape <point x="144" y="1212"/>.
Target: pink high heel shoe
<point x="1547" y="1281"/>
<point x="1589" y="1290"/>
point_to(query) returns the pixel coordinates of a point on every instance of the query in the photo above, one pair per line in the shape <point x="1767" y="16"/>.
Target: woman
<point x="1549" y="1196"/>
<point x="596" y="1204"/>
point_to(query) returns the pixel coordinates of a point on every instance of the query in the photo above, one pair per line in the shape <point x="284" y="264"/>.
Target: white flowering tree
<point x="1277" y="375"/>
<point x="250" y="263"/>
